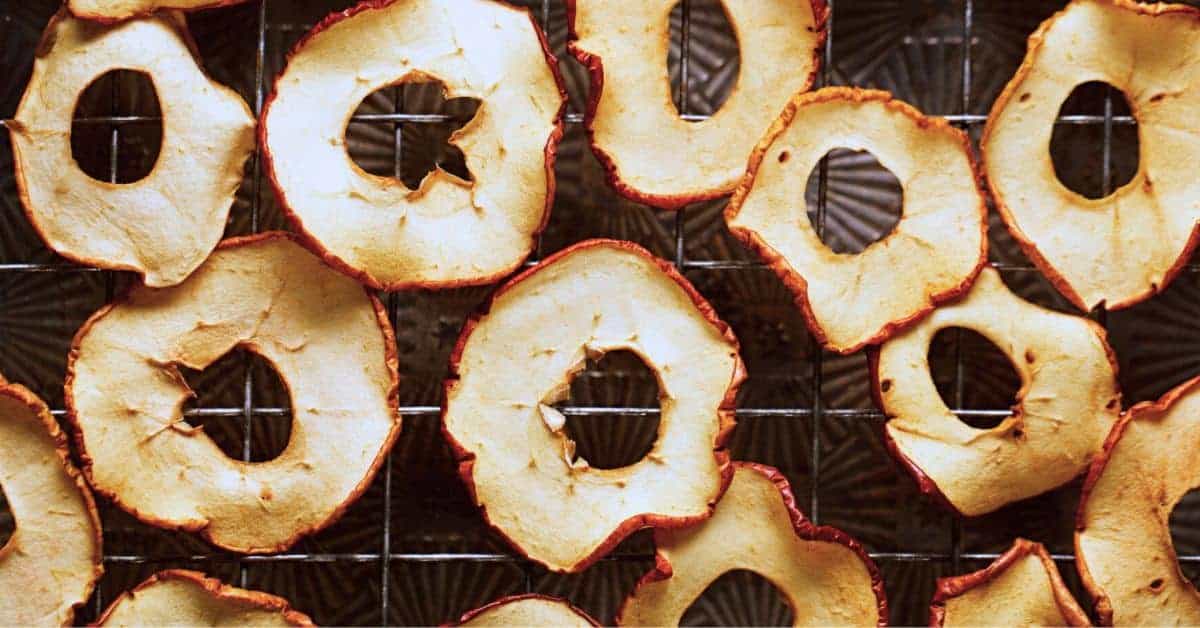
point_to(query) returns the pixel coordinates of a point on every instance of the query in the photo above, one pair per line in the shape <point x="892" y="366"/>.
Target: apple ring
<point x="636" y="132"/>
<point x="109" y="11"/>
<point x="166" y="224"/>
<point x="826" y="576"/>
<point x="52" y="560"/>
<point x="530" y="609"/>
<point x="512" y="363"/>
<point x="1122" y="540"/>
<point x="1067" y="403"/>
<point x="448" y="232"/>
<point x="1020" y="588"/>
<point x="1124" y="248"/>
<point x="177" y="597"/>
<point x="268" y="295"/>
<point x="852" y="300"/>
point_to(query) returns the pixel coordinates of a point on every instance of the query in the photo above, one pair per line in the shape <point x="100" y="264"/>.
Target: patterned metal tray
<point x="413" y="550"/>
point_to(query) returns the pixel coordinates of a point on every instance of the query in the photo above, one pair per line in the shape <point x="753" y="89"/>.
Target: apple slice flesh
<point x="516" y="360"/>
<point x="528" y="610"/>
<point x="824" y="575"/>
<point x="177" y="597"/>
<point x="1068" y="401"/>
<point x="1122" y="539"/>
<point x="1020" y="588"/>
<point x="1124" y="248"/>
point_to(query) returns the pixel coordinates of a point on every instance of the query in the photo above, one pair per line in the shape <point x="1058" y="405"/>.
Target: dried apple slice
<point x="1121" y="249"/>
<point x="328" y="339"/>
<point x="636" y="131"/>
<point x="52" y="560"/>
<point x="1020" y="588"/>
<point x="528" y="610"/>
<point x="512" y="363"/>
<point x="449" y="231"/>
<point x="177" y="597"/>
<point x="109" y="11"/>
<point x="1067" y="403"/>
<point x="164" y="225"/>
<point x="825" y="575"/>
<point x="1122" y="541"/>
<point x="852" y="300"/>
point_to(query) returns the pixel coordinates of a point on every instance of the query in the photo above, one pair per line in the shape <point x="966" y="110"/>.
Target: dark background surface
<point x="802" y="410"/>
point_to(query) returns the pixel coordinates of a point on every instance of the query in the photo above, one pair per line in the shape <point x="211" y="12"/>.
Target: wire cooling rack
<point x="413" y="550"/>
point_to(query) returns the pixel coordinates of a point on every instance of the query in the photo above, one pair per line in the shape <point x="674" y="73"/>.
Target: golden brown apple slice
<point x="449" y="231"/>
<point x="1020" y="588"/>
<point x="1122" y="249"/>
<point x="934" y="251"/>
<point x="825" y="575"/>
<point x="1068" y="401"/>
<point x="328" y="339"/>
<point x="164" y="225"/>
<point x="52" y="560"/>
<point x="1122" y="540"/>
<point x="514" y="362"/>
<point x="636" y="131"/>
<point x="528" y="610"/>
<point x="178" y="597"/>
<point x="116" y="10"/>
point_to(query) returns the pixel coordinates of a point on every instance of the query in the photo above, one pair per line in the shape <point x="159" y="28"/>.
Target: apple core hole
<point x="116" y="128"/>
<point x="740" y="598"/>
<point x="713" y="58"/>
<point x="403" y="131"/>
<point x="863" y="200"/>
<point x="1184" y="523"/>
<point x="1077" y="146"/>
<point x="219" y="406"/>
<point x="8" y="523"/>
<point x="971" y="373"/>
<point x="612" y="411"/>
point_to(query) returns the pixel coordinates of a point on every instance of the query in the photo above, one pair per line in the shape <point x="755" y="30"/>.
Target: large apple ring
<point x="852" y="300"/>
<point x="512" y="363"/>
<point x="164" y="225"/>
<point x="1122" y="539"/>
<point x="636" y="132"/>
<point x="449" y="231"/>
<point x="1020" y="588"/>
<point x="52" y="560"/>
<point x="1067" y="403"/>
<point x="826" y="576"/>
<point x="1126" y="247"/>
<point x="330" y="342"/>
<point x="177" y="597"/>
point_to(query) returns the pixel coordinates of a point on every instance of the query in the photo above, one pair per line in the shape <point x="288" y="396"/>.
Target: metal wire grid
<point x="816" y="412"/>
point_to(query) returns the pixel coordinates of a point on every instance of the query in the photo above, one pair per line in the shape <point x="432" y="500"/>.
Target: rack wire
<point x="816" y="412"/>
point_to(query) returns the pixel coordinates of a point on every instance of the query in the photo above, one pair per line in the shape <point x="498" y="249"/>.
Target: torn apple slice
<point x="528" y="610"/>
<point x="52" y="560"/>
<point x="109" y="11"/>
<point x="852" y="300"/>
<point x="826" y="577"/>
<point x="514" y="362"/>
<point x="328" y="339"/>
<point x="1020" y="588"/>
<point x="638" y="134"/>
<point x="1124" y="248"/>
<point x="164" y="225"/>
<point x="448" y="232"/>
<point x="177" y="597"/>
<point x="1067" y="403"/>
<point x="1122" y="539"/>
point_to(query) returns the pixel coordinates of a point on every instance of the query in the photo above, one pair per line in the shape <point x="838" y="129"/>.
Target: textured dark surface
<point x="802" y="410"/>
